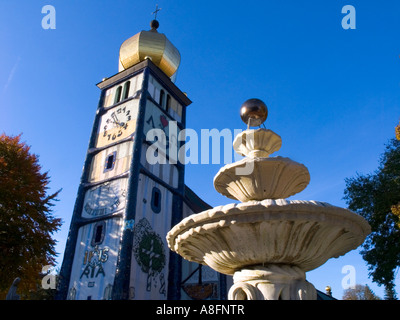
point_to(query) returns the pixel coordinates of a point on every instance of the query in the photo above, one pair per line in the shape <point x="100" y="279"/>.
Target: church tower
<point x="132" y="189"/>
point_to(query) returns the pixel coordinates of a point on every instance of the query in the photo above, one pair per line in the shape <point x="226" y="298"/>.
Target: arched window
<point x="110" y="161"/>
<point x="168" y="102"/>
<point x="118" y="95"/>
<point x="108" y="292"/>
<point x="98" y="233"/>
<point x="156" y="200"/>
<point x="161" y="101"/>
<point x="126" y="90"/>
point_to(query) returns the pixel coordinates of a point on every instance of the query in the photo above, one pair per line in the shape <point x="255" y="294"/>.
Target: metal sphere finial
<point x="154" y="24"/>
<point x="254" y="112"/>
<point x="328" y="290"/>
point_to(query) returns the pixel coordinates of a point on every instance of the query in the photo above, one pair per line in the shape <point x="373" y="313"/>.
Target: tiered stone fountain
<point x="266" y="242"/>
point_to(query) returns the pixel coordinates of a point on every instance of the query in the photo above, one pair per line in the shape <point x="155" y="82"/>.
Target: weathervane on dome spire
<point x="156" y="11"/>
<point x="154" y="23"/>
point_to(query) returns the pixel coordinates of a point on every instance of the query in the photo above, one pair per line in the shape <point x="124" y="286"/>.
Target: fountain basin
<point x="304" y="234"/>
<point x="261" y="178"/>
<point x="257" y="143"/>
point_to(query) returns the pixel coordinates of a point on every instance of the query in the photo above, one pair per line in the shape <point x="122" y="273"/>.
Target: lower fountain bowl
<point x="300" y="233"/>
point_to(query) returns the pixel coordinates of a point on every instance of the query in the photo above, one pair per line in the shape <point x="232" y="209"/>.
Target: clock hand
<point x="114" y="116"/>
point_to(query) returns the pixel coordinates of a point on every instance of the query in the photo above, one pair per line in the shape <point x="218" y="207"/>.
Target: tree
<point x="26" y="219"/>
<point x="375" y="196"/>
<point x="360" y="292"/>
<point x="396" y="208"/>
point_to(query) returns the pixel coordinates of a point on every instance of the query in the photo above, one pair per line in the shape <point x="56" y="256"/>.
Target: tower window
<point x="161" y="101"/>
<point x="98" y="233"/>
<point x="108" y="292"/>
<point x="156" y="200"/>
<point x="168" y="102"/>
<point x="118" y="95"/>
<point x="110" y="161"/>
<point x="126" y="90"/>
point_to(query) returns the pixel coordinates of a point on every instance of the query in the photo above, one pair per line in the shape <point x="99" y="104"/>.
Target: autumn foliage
<point x="396" y="208"/>
<point x="26" y="220"/>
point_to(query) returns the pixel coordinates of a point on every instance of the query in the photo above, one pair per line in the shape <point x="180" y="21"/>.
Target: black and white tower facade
<point x="132" y="190"/>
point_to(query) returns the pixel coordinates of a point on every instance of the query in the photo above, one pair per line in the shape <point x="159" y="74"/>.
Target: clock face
<point x="118" y="123"/>
<point x="105" y="199"/>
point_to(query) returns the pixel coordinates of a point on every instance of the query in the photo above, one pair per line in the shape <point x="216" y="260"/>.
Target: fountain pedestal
<point x="271" y="282"/>
<point x="266" y="242"/>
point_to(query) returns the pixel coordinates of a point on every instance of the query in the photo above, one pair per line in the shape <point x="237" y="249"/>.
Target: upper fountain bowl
<point x="257" y="143"/>
<point x="261" y="178"/>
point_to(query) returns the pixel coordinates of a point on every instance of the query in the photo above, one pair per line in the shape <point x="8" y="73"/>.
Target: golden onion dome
<point x="150" y="45"/>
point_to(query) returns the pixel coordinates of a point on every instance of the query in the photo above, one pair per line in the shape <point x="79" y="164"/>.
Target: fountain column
<point x="271" y="282"/>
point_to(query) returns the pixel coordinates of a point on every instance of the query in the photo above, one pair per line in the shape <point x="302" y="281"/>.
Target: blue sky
<point x="333" y="94"/>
